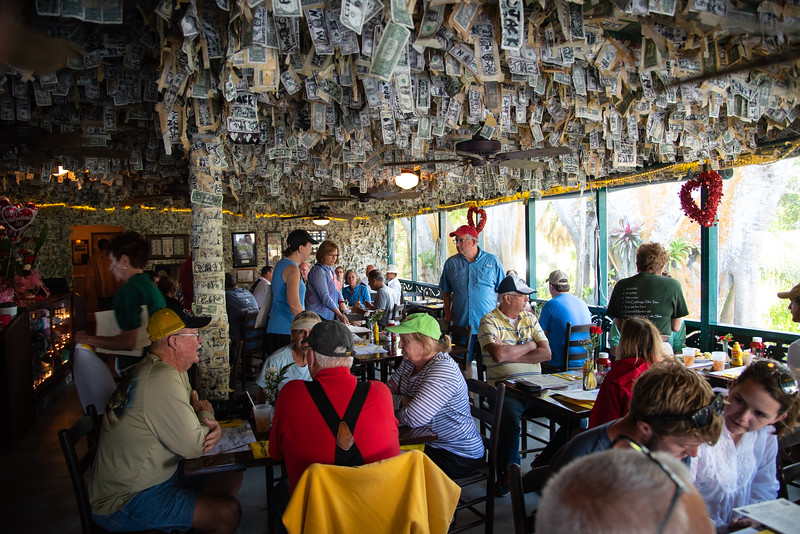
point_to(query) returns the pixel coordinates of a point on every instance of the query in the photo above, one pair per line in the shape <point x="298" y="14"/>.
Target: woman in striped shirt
<point x="429" y="390"/>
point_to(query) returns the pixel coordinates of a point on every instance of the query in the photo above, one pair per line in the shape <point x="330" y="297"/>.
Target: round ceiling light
<point x="406" y="179"/>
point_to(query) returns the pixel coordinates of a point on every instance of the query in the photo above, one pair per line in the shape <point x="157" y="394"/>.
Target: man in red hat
<point x="469" y="284"/>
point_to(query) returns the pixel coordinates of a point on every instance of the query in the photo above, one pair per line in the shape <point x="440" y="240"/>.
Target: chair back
<point x="788" y="462"/>
<point x="92" y="377"/>
<point x="253" y="337"/>
<point x="521" y="520"/>
<point x="250" y="343"/>
<point x="461" y="338"/>
<point x="570" y="343"/>
<point x="487" y="408"/>
<point x="86" y="427"/>
<point x="411" y="296"/>
<point x="399" y="312"/>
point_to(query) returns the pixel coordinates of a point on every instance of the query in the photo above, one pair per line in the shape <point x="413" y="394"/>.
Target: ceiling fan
<point x="481" y="152"/>
<point x="322" y="215"/>
<point x="372" y="193"/>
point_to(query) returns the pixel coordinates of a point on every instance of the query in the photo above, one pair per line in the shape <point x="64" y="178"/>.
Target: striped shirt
<point x="439" y="398"/>
<point x="496" y="325"/>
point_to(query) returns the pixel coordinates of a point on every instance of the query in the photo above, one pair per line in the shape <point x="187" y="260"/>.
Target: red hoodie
<point x="615" y="391"/>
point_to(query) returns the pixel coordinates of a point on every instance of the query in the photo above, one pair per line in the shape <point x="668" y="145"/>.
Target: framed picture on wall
<point x="80" y="252"/>
<point x="244" y="249"/>
<point x="245" y="276"/>
<point x="168" y="246"/>
<point x="274" y="247"/>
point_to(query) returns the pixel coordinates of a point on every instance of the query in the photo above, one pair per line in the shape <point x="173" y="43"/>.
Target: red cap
<point x="465" y="230"/>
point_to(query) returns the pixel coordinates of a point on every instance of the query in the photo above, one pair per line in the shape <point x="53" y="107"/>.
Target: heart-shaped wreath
<point x="16" y="219"/>
<point x="713" y="184"/>
<point x="471" y="212"/>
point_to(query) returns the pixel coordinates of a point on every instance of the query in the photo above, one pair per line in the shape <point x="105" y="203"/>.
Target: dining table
<point x="549" y="404"/>
<point x="241" y="460"/>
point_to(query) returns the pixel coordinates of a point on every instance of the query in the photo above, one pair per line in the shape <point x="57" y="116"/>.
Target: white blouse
<point x="729" y="475"/>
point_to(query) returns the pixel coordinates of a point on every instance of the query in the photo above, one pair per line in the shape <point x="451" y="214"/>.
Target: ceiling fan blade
<point x="535" y="153"/>
<point x="306" y="216"/>
<point x="422" y="162"/>
<point x="522" y="164"/>
<point x="395" y="195"/>
<point x="334" y="198"/>
<point x="344" y="216"/>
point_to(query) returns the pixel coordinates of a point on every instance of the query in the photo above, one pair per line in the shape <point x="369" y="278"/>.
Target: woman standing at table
<point x="762" y="405"/>
<point x="128" y="253"/>
<point x="354" y="292"/>
<point x="288" y="290"/>
<point x="639" y="347"/>
<point x="322" y="296"/>
<point x="429" y="390"/>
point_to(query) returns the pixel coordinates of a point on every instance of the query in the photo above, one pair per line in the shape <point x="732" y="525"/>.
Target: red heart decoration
<point x="713" y="184"/>
<point x="17" y="218"/>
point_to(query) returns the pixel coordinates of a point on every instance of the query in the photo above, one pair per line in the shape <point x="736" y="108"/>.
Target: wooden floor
<point x="37" y="497"/>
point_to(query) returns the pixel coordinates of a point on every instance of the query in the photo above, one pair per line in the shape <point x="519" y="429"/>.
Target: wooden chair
<point x="522" y="522"/>
<point x="399" y="312"/>
<point x="411" y="296"/>
<point x="461" y="338"/>
<point x="571" y="343"/>
<point x="252" y="341"/>
<point x="87" y="427"/>
<point x="788" y="461"/>
<point x="492" y="398"/>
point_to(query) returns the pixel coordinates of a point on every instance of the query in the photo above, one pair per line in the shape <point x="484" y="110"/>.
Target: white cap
<point x="392" y="269"/>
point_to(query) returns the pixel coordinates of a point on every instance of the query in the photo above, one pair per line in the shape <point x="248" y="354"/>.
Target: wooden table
<point x="559" y="410"/>
<point x="381" y="360"/>
<point x="242" y="460"/>
<point x="434" y="308"/>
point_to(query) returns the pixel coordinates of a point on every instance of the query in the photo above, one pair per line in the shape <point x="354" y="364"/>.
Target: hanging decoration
<point x="16" y="219"/>
<point x="713" y="184"/>
<point x="481" y="213"/>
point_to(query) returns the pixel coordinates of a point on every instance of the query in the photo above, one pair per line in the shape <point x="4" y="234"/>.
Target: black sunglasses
<point x="701" y="417"/>
<point x="680" y="486"/>
<point x="788" y="383"/>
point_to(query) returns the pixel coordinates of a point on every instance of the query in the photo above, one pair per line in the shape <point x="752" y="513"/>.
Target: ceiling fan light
<point x="321" y="221"/>
<point x="406" y="179"/>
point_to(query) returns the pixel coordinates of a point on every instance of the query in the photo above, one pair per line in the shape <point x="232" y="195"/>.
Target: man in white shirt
<point x="793" y="356"/>
<point x="393" y="283"/>
<point x="263" y="286"/>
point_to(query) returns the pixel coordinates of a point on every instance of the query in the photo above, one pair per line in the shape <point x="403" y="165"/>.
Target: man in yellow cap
<point x="152" y="421"/>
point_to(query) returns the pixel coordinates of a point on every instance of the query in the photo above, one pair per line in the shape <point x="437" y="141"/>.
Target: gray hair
<point x="328" y="362"/>
<point x="615" y="491"/>
<point x="501" y="295"/>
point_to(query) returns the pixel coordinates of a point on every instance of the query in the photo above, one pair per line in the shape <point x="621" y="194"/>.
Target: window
<point x="565" y="239"/>
<point x="504" y="236"/>
<point x="429" y="264"/>
<point x="652" y="213"/>
<point x="759" y="245"/>
<point x="402" y="247"/>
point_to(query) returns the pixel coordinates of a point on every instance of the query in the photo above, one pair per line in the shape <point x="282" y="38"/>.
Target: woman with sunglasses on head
<point x="639" y="347"/>
<point x="762" y="404"/>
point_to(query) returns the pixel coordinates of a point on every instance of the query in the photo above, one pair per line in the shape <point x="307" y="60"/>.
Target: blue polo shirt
<point x="556" y="313"/>
<point x="473" y="287"/>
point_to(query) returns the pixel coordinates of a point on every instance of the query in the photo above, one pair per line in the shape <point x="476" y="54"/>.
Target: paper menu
<point x="779" y="515"/>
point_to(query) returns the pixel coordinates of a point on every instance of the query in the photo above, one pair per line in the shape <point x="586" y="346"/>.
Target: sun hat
<point x="392" y="269"/>
<point x="418" y="323"/>
<point x="305" y="320"/>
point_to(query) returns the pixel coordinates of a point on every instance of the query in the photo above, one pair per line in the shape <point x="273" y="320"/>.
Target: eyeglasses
<point x="680" y="486"/>
<point x="459" y="240"/>
<point x="332" y="255"/>
<point x="787" y="381"/>
<point x="701" y="417"/>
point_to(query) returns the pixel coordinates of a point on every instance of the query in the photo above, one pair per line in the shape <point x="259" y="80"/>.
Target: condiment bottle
<point x="376" y="331"/>
<point x="757" y="348"/>
<point x="736" y="355"/>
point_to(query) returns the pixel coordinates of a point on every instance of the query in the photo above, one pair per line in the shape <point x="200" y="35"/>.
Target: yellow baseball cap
<point x="167" y="321"/>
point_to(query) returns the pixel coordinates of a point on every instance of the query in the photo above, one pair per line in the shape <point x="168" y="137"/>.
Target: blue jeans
<point x="167" y="506"/>
<point x="508" y="442"/>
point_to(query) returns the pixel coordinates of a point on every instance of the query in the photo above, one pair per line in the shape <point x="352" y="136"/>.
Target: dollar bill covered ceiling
<point x="296" y="101"/>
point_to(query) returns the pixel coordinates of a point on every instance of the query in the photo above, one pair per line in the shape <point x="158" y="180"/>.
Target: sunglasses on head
<point x="680" y="486"/>
<point x="787" y="381"/>
<point x="701" y="417"/>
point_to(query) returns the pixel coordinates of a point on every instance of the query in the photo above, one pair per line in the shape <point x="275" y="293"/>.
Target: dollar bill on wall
<point x="512" y="16"/>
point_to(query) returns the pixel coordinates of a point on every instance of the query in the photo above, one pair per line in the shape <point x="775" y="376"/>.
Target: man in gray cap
<point x="517" y="346"/>
<point x="333" y="419"/>
<point x="562" y="308"/>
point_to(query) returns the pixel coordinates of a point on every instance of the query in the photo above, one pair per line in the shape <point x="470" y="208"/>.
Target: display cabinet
<point x="37" y="349"/>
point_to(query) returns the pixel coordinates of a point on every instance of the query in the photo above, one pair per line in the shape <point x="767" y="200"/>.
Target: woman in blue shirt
<point x="354" y="292"/>
<point x="322" y="296"/>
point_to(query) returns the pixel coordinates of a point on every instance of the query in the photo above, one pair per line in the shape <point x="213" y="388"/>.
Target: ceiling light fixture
<point x="321" y="221"/>
<point x="406" y="179"/>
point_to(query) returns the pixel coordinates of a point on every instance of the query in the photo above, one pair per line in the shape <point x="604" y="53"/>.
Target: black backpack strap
<point x="255" y="284"/>
<point x="345" y="457"/>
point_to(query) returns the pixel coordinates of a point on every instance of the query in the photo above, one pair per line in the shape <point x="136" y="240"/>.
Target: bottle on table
<point x="736" y="355"/>
<point x="757" y="348"/>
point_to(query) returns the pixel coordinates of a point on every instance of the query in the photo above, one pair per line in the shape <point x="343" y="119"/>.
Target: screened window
<point x="429" y="262"/>
<point x="504" y="236"/>
<point x="402" y="247"/>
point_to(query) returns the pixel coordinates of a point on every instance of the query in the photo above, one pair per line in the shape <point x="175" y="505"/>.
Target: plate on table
<point x="358" y="329"/>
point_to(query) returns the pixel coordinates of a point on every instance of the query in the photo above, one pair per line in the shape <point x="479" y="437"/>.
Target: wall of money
<point x="306" y="100"/>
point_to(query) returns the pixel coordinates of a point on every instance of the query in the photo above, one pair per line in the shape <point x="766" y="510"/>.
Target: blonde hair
<point x="639" y="338"/>
<point x="432" y="345"/>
